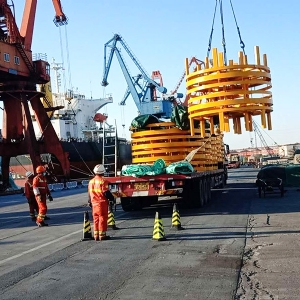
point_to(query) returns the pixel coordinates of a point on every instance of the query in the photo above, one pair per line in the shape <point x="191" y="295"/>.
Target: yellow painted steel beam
<point x="164" y="140"/>
<point x="238" y="90"/>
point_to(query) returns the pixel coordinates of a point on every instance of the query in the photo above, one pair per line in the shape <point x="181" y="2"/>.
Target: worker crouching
<point x="99" y="197"/>
<point x="41" y="191"/>
<point x="28" y="190"/>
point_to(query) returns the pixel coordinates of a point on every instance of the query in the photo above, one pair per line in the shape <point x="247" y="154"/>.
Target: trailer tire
<point x="208" y="189"/>
<point x="126" y="203"/>
<point x="191" y="194"/>
<point x="205" y="191"/>
<point x="201" y="193"/>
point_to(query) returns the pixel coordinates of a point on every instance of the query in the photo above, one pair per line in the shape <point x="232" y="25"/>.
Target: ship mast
<point x="56" y="67"/>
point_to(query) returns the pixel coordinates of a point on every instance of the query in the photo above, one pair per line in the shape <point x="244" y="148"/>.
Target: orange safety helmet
<point x="40" y="169"/>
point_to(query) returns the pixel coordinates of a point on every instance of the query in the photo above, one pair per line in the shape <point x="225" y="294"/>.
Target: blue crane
<point x="142" y="94"/>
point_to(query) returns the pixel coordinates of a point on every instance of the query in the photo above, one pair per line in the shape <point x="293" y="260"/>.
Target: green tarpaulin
<point x="181" y="167"/>
<point x="158" y="167"/>
<point x="289" y="174"/>
<point x="141" y="121"/>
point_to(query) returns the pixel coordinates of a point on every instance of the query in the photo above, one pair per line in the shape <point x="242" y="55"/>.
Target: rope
<point x="82" y="158"/>
<point x="21" y="164"/>
<point x="75" y="169"/>
<point x="242" y="44"/>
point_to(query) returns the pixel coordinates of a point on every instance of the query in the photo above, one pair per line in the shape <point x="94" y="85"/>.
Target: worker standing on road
<point x="99" y="197"/>
<point x="41" y="191"/>
<point x="28" y="190"/>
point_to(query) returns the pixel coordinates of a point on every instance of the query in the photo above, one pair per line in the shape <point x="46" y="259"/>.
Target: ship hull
<point x="83" y="157"/>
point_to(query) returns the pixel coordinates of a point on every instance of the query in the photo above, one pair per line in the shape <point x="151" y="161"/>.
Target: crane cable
<point x="62" y="57"/>
<point x="123" y="120"/>
<point x="212" y="30"/>
<point x="242" y="44"/>
<point x="68" y="57"/>
<point x="223" y="32"/>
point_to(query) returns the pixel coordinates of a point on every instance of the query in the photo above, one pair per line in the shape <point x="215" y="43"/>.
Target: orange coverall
<point x="33" y="206"/>
<point x="41" y="190"/>
<point x="96" y="189"/>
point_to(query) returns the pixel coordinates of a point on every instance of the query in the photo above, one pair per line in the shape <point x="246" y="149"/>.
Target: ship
<point x="85" y="134"/>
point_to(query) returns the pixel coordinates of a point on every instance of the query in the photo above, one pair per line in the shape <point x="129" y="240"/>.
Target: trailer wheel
<point x="201" y="193"/>
<point x="208" y="190"/>
<point x="204" y="182"/>
<point x="223" y="182"/>
<point x="191" y="194"/>
<point x="281" y="191"/>
<point x="126" y="203"/>
<point x="259" y="191"/>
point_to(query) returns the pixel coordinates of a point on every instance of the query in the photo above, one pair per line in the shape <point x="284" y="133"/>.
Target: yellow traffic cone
<point x="158" y="230"/>
<point x="111" y="219"/>
<point x="176" y="224"/>
<point x="87" y="229"/>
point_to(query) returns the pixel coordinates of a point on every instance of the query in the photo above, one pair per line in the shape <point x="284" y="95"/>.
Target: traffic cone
<point x="158" y="230"/>
<point x="111" y="219"/>
<point x="176" y="224"/>
<point x="87" y="229"/>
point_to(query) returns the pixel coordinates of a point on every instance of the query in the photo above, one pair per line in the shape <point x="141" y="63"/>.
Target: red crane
<point x="192" y="60"/>
<point x="19" y="75"/>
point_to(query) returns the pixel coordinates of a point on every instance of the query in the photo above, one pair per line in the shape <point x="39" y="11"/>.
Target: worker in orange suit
<point x="41" y="191"/>
<point x="99" y="198"/>
<point x="28" y="190"/>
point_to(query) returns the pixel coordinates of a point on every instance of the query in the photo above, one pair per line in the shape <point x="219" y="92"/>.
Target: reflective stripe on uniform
<point x="36" y="191"/>
<point x="96" y="190"/>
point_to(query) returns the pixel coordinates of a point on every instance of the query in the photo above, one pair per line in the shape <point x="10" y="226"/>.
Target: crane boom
<point x="60" y="18"/>
<point x="146" y="100"/>
<point x="27" y="26"/>
<point x="256" y="129"/>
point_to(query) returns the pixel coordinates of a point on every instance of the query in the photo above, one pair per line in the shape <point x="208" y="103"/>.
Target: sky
<point x="162" y="34"/>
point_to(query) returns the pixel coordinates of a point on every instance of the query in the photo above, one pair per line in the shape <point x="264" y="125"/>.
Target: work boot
<point x="104" y="237"/>
<point x="41" y="224"/>
<point x="47" y="218"/>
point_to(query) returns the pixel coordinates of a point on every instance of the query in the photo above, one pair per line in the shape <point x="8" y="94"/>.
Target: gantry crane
<point x="19" y="76"/>
<point x="144" y="95"/>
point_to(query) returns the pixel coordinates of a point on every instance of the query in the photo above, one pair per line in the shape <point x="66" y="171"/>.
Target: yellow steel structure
<point x="47" y="100"/>
<point x="164" y="140"/>
<point x="233" y="91"/>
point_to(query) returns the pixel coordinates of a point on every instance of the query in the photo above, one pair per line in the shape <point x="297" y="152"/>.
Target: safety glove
<point x="50" y="198"/>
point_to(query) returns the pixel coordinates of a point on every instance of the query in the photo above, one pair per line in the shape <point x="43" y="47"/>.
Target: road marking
<point x="49" y="243"/>
<point x="38" y="247"/>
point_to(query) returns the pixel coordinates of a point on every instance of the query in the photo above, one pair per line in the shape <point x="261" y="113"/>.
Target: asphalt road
<point x="210" y="259"/>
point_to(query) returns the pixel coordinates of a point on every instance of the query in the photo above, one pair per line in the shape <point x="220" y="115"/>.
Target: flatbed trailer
<point x="193" y="190"/>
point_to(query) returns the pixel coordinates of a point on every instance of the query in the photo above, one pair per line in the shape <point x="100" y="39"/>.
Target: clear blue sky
<point x="162" y="34"/>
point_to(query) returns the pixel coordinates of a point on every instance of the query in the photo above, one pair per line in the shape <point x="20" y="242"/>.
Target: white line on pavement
<point x="38" y="247"/>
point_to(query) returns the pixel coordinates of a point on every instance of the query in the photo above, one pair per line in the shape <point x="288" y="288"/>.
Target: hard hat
<point x="99" y="169"/>
<point x="40" y="169"/>
<point x="29" y="174"/>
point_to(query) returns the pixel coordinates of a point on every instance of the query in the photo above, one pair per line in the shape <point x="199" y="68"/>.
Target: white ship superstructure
<point x="75" y="118"/>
